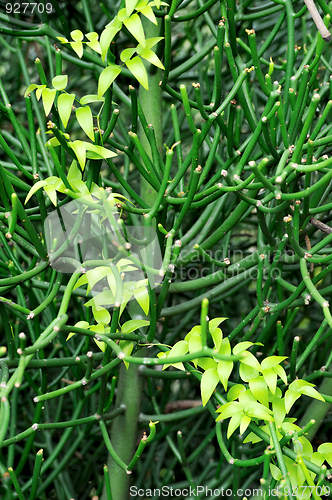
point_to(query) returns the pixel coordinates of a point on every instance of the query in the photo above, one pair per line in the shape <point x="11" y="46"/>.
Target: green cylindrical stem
<point x="124" y="428"/>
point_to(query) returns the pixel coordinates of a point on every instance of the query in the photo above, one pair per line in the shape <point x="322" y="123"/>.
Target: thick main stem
<point x="150" y="101"/>
<point x="130" y="386"/>
<point x="124" y="428"/>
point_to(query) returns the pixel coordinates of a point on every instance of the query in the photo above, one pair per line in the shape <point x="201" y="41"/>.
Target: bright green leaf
<point x="135" y="27"/>
<point x="195" y="330"/>
<point x="78" y="48"/>
<point x="296" y="477"/>
<point x="100" y="344"/>
<point x="246" y="372"/>
<point x="259" y="389"/>
<point x="246" y="397"/>
<point x="252" y="438"/>
<point x="130" y="6"/>
<point x="60" y="82"/>
<point x="137" y="68"/>
<point x="85" y="119"/>
<point x="51" y="192"/>
<point x="270" y="377"/>
<point x="104" y="298"/>
<point x="234" y="423"/>
<point x="234" y="391"/>
<point x="225" y="347"/>
<point x="30" y="89"/>
<point x="281" y="372"/>
<point x="195" y="343"/>
<point x="216" y="335"/>
<point x="80" y="186"/>
<point x="298" y="385"/>
<point x="215" y="322"/>
<point x="65" y="105"/>
<point x="142" y="296"/>
<point x="126" y="296"/>
<point x="125" y="265"/>
<point x="163" y="355"/>
<point x="149" y="14"/>
<point x="98" y="329"/>
<point x="77" y="35"/>
<point x="100" y="151"/>
<point x="229" y="409"/>
<point x="35" y="187"/>
<point x="224" y="370"/>
<point x="106" y="78"/>
<point x="318" y="459"/>
<point x="133" y="324"/>
<point x="290" y="398"/>
<point x="39" y="91"/>
<point x="209" y="382"/>
<point x="94" y="45"/>
<point x="106" y="37"/>
<point x="79" y="150"/>
<point x="101" y="315"/>
<point x="272" y="361"/>
<point x="242" y="346"/>
<point x="179" y="366"/>
<point x="278" y="406"/>
<point x="80" y="324"/>
<point x="82" y="280"/>
<point x="115" y="23"/>
<point x="244" y="424"/>
<point x="276" y="472"/>
<point x="48" y="97"/>
<point x="306" y="447"/>
<point x="127" y="347"/>
<point x="149" y="43"/>
<point x="52" y="142"/>
<point x="127" y="54"/>
<point x="326" y="450"/>
<point x="207" y="363"/>
<point x="92" y="36"/>
<point x="122" y="15"/>
<point x="179" y="349"/>
<point x="250" y="360"/>
<point x="150" y="56"/>
<point x="111" y="281"/>
<point x="74" y="172"/>
<point x="95" y="275"/>
<point x="256" y="410"/>
<point x="91" y="98"/>
<point x="312" y="393"/>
